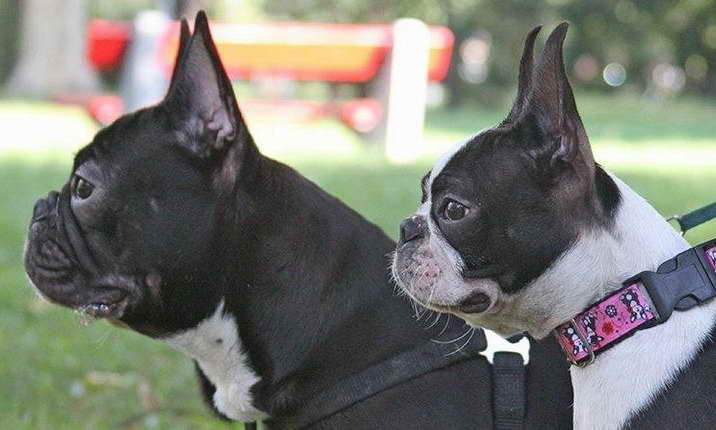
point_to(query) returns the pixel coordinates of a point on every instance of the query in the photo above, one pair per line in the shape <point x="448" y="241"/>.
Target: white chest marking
<point x="627" y="378"/>
<point x="215" y="344"/>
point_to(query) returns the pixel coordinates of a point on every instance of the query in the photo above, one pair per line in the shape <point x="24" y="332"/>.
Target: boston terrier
<point x="520" y="230"/>
<point x="173" y="224"/>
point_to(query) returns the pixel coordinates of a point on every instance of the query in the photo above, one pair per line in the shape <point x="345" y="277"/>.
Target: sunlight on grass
<point x="38" y="130"/>
<point x="638" y="135"/>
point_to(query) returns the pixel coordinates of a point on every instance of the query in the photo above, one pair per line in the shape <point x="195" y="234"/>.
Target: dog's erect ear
<point x="525" y="78"/>
<point x="201" y="100"/>
<point x="184" y="37"/>
<point x="550" y="104"/>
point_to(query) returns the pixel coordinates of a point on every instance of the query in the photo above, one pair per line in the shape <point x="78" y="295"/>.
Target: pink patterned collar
<point x="644" y="301"/>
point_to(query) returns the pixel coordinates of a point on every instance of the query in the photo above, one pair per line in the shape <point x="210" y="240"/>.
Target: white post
<point x="407" y="90"/>
<point x="143" y="82"/>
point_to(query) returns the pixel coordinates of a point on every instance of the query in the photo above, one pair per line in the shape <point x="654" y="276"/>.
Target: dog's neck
<point x="597" y="263"/>
<point x="625" y="379"/>
<point x="305" y="313"/>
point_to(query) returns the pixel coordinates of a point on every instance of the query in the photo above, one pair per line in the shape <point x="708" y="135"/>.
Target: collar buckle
<point x="587" y="346"/>
<point x="683" y="282"/>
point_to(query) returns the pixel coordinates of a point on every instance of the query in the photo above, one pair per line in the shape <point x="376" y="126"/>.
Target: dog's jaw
<point x="216" y="346"/>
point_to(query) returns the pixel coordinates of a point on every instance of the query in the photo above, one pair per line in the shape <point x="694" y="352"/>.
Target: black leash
<point x="695" y="218"/>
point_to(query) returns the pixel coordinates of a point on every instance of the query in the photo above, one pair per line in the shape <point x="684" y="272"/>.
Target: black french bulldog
<point x="173" y="224"/>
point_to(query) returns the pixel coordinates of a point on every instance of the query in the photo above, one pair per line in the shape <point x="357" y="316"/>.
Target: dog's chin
<point x="106" y="302"/>
<point x="503" y="330"/>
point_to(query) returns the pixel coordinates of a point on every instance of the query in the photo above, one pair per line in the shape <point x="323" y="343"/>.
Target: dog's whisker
<point x="454" y="340"/>
<point x="102" y="339"/>
<point x="447" y="323"/>
<point x="86" y="318"/>
<point x="418" y="309"/>
<point x="438" y="315"/>
<point x="472" y="333"/>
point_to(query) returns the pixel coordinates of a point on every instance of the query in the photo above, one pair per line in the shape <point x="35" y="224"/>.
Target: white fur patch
<point x="437" y="242"/>
<point x="215" y="344"/>
<point x="628" y="377"/>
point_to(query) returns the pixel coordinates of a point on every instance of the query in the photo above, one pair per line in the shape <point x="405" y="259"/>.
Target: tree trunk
<point x="52" y="58"/>
<point x="462" y="27"/>
<point x="189" y="8"/>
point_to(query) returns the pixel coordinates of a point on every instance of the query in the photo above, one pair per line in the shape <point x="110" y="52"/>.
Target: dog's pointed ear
<point x="550" y="105"/>
<point x="525" y="77"/>
<point x="201" y="101"/>
<point x="184" y="37"/>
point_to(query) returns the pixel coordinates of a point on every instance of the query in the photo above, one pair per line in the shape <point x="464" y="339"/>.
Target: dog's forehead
<point x="445" y="159"/>
<point x="132" y="141"/>
<point x="450" y="167"/>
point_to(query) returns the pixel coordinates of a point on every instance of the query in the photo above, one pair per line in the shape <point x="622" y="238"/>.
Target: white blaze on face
<point x="436" y="237"/>
<point x="215" y="344"/>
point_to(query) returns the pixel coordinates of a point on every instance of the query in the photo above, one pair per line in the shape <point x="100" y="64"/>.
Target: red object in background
<point x="300" y="51"/>
<point x="105" y="108"/>
<point x="362" y="115"/>
<point x="107" y="42"/>
<point x="312" y="51"/>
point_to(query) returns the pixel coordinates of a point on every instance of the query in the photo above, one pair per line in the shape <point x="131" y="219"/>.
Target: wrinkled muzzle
<point x="60" y="265"/>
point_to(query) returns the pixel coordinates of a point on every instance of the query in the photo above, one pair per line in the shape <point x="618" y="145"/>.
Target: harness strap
<point x="509" y="392"/>
<point x="399" y="369"/>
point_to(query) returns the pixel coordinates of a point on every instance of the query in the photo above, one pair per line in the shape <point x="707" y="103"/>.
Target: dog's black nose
<point x="43" y="207"/>
<point x="475" y="304"/>
<point x="412" y="228"/>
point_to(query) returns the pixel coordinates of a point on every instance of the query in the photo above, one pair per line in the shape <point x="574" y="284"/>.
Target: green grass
<point x="58" y="374"/>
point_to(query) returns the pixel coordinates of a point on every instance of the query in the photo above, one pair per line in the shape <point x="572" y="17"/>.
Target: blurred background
<point x="326" y="86"/>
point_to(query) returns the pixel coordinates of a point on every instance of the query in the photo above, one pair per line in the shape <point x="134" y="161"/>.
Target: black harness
<point x="508" y="372"/>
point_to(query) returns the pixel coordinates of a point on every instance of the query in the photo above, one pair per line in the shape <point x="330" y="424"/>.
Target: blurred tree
<point x="52" y="56"/>
<point x="119" y="10"/>
<point x="185" y="8"/>
<point x="506" y="22"/>
<point x="9" y="18"/>
<point x="639" y="35"/>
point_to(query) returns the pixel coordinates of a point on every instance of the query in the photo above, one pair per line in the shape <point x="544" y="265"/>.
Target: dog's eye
<point x="454" y="211"/>
<point x="81" y="188"/>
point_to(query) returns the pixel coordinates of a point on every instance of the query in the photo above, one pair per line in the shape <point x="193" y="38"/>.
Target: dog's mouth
<point x="476" y="303"/>
<point x="112" y="306"/>
<point x="93" y="301"/>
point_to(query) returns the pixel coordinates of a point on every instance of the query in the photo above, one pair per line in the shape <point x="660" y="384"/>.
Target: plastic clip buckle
<point x="681" y="283"/>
